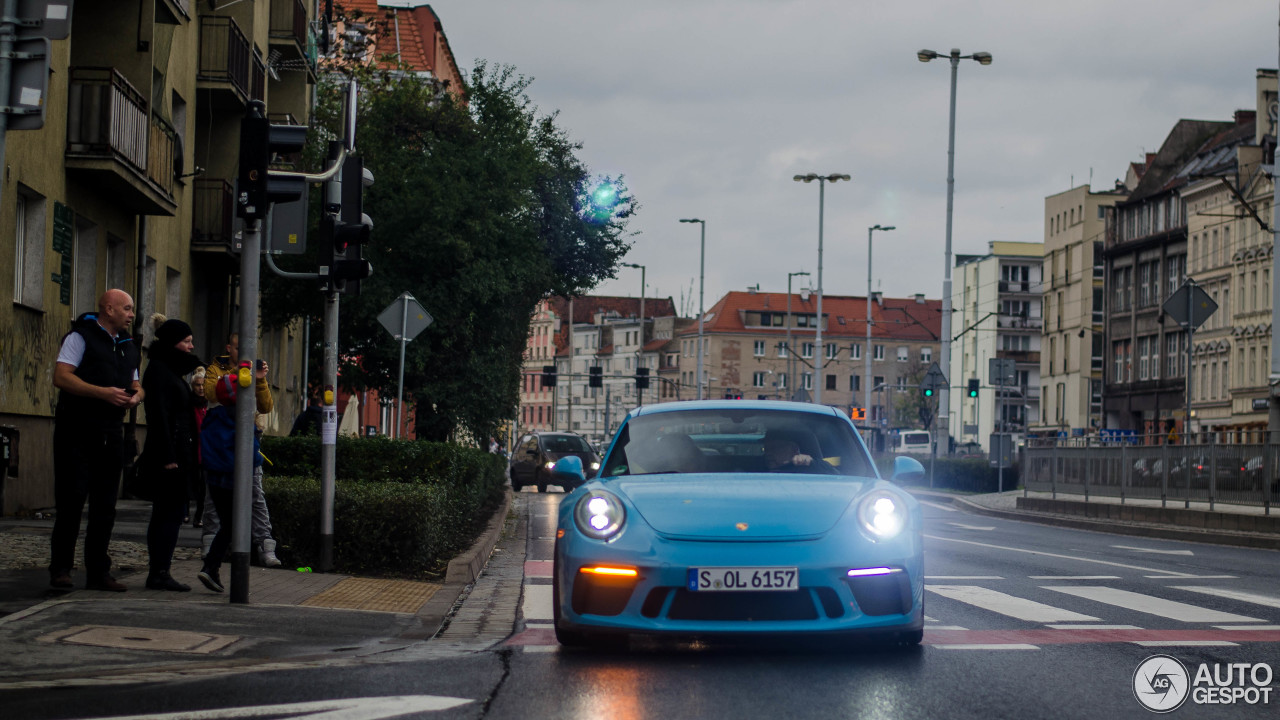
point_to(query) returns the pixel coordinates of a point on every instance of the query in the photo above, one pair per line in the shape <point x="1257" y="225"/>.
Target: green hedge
<point x="967" y="475"/>
<point x="401" y="508"/>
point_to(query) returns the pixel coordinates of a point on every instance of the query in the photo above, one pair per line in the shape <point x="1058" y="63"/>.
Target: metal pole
<point x="639" y="354"/>
<point x="945" y="402"/>
<point x="404" y="331"/>
<point x="569" y="421"/>
<point x="246" y="406"/>
<point x="329" y="431"/>
<point x="1186" y="420"/>
<point x="1273" y="416"/>
<point x="866" y="349"/>
<point x="818" y="360"/>
<point x="702" y="279"/>
<point x="7" y="36"/>
<point x="790" y="362"/>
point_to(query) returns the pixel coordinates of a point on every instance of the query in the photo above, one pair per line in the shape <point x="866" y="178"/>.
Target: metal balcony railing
<point x="160" y="154"/>
<point x="224" y="53"/>
<point x="289" y="21"/>
<point x="1019" y="322"/>
<point x="214" y="210"/>
<point x="258" y="80"/>
<point x="106" y="117"/>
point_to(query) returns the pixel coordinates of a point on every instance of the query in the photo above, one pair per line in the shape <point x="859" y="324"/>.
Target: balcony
<point x="1021" y="287"/>
<point x="115" y="145"/>
<point x="1018" y="322"/>
<point x="1020" y="356"/>
<point x="213" y="216"/>
<point x="290" y="33"/>
<point x="225" y="62"/>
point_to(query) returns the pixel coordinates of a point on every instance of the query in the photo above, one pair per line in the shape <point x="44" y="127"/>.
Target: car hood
<point x="719" y="507"/>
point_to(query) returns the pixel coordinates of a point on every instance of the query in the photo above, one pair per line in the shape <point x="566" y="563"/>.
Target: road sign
<point x="933" y="379"/>
<point x="1191" y="299"/>
<point x="1001" y="371"/>
<point x="415" y="317"/>
<point x="43" y="18"/>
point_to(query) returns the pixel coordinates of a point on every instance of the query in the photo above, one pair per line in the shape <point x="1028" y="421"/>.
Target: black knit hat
<point x="172" y="332"/>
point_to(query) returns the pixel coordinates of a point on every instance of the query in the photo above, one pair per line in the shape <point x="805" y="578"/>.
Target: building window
<point x="831" y="382"/>
<point x="904" y="353"/>
<point x="29" y="250"/>
<point x="808" y="381"/>
<point x="855" y="351"/>
<point x="831" y="351"/>
<point x="855" y="383"/>
<point x="1144" y="357"/>
<point x="757" y="379"/>
<point x="782" y="349"/>
<point x="1177" y="269"/>
<point x="926" y="354"/>
<point x="782" y="380"/>
<point x="806" y="350"/>
<point x="877" y="352"/>
<point x="759" y="348"/>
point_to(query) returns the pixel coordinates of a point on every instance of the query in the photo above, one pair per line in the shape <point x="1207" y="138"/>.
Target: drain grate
<point x="135" y="638"/>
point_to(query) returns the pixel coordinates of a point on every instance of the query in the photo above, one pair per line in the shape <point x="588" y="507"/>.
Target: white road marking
<point x="1185" y="643"/>
<point x="1247" y="627"/>
<point x="1184" y="576"/>
<point x="1062" y="557"/>
<point x="963" y="577"/>
<point x="1073" y="577"/>
<point x="929" y="619"/>
<point x="541" y="648"/>
<point x="1270" y="601"/>
<point x="938" y="506"/>
<point x="1151" y="605"/>
<point x="537" y="603"/>
<point x="972" y="527"/>
<point x="1014" y="607"/>
<point x="1094" y="627"/>
<point x="944" y="627"/>
<point x="373" y="708"/>
<point x="1153" y="550"/>
<point x="985" y="646"/>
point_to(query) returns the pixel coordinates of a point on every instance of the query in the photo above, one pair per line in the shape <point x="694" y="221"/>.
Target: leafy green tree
<point x="481" y="207"/>
<point x="908" y="404"/>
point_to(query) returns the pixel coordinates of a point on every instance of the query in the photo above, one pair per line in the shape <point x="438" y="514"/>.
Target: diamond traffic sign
<point x="1190" y="301"/>
<point x="407" y="312"/>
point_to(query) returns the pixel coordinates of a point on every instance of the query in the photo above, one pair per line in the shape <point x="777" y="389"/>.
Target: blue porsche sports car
<point x="728" y="518"/>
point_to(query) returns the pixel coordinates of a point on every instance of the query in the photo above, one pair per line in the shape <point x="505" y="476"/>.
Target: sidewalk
<point x="1240" y="525"/>
<point x="49" y="637"/>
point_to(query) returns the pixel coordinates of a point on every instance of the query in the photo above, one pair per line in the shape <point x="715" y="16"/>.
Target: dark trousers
<point x="167" y="510"/>
<point x="86" y="465"/>
<point x="222" y="504"/>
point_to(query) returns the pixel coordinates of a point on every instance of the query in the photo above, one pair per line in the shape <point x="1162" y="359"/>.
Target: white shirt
<point x="72" y="351"/>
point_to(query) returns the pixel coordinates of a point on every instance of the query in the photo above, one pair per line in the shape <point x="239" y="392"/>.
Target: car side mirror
<point x="567" y="472"/>
<point x="907" y="470"/>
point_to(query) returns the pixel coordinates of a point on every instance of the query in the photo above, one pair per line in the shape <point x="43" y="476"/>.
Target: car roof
<point x="684" y="405"/>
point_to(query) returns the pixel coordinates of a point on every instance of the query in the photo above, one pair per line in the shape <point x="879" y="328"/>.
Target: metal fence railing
<point x="1204" y="470"/>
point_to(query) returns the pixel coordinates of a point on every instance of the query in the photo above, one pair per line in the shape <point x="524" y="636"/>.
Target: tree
<point x="480" y="208"/>
<point x="907" y="405"/>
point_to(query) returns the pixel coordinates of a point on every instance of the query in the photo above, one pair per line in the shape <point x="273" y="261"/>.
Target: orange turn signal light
<point x="612" y="571"/>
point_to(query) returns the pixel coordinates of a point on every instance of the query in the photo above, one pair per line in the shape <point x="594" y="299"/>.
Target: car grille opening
<point x="652" y="606"/>
<point x="742" y="606"/>
<point x="882" y="594"/>
<point x="831" y="604"/>
<point x="601" y="594"/>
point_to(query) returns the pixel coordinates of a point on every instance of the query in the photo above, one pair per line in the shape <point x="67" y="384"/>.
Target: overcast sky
<point x="709" y="107"/>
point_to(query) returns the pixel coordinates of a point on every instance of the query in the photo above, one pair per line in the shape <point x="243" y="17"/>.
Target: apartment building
<point x="129" y="185"/>
<point x="1145" y="251"/>
<point x="999" y="314"/>
<point x="1071" y="369"/>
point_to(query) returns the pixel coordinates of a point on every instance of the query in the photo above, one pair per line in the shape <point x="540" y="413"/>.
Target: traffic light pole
<point x="246" y="406"/>
<point x="329" y="431"/>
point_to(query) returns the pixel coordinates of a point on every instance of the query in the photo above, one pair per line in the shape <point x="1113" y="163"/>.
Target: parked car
<point x="732" y="518"/>
<point x="538" y="452"/>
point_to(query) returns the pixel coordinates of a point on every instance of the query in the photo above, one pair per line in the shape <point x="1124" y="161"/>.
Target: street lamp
<point x="790" y="354"/>
<point x="640" y="349"/>
<point x="822" y="189"/>
<point x="982" y="58"/>
<point x="866" y="350"/>
<point x="702" y="277"/>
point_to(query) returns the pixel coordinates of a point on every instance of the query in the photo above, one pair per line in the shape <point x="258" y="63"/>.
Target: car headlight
<point x="882" y="514"/>
<point x="550" y="464"/>
<point x="600" y="515"/>
<point x="595" y="466"/>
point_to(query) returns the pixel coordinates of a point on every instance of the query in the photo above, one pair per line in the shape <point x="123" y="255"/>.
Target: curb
<point x="463" y="570"/>
<point x="1163" y="532"/>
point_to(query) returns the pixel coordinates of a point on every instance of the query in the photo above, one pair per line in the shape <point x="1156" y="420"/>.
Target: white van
<point x="914" y="442"/>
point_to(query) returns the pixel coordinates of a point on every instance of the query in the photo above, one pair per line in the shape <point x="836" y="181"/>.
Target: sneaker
<point x="165" y="581"/>
<point x="106" y="582"/>
<point x="60" y="580"/>
<point x="267" y="554"/>
<point x="209" y="578"/>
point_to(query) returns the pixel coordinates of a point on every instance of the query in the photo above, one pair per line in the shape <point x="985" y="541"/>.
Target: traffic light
<point x="595" y="377"/>
<point x="973" y="387"/>
<point x="927" y="391"/>
<point x="858" y="414"/>
<point x="260" y="142"/>
<point x="350" y="230"/>
<point x="642" y="378"/>
<point x="548" y="376"/>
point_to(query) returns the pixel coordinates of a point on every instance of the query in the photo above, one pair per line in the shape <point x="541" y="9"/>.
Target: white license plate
<point x="722" y="579"/>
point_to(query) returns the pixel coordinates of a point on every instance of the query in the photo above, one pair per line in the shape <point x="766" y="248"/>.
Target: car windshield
<point x="915" y="438"/>
<point x="564" y="444"/>
<point x="738" y="441"/>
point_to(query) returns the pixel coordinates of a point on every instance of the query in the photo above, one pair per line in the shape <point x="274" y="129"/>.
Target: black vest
<point x="107" y="362"/>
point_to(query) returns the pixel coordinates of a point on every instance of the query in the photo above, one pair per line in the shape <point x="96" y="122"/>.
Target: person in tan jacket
<point x="264" y="544"/>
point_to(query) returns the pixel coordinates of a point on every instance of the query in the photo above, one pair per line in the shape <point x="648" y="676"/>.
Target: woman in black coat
<point x="169" y="455"/>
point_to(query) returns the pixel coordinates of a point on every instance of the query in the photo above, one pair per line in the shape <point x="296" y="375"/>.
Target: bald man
<point x="97" y="377"/>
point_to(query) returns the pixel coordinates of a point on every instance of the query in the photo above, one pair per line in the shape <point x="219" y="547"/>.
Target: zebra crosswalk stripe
<point x="1009" y="605"/>
<point x="1151" y="605"/>
<point x="1267" y="600"/>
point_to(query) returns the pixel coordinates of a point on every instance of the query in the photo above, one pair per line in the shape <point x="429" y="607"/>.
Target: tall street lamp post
<point x="640" y="348"/>
<point x="791" y="375"/>
<point x="702" y="277"/>
<point x="866" y="350"/>
<point x="982" y="58"/>
<point x="819" y="360"/>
